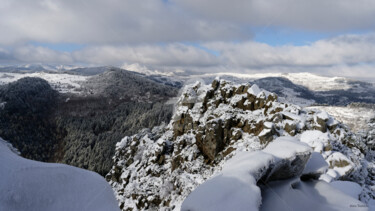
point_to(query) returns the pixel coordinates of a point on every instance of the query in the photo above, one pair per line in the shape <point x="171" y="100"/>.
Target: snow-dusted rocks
<point x="215" y="111"/>
<point x="235" y="187"/>
<point x="32" y="185"/>
<point x="340" y="163"/>
<point x="213" y="125"/>
<point x="317" y="140"/>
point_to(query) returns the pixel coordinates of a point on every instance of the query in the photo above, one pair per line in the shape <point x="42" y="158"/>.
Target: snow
<point x="340" y="163"/>
<point x="323" y="115"/>
<point x="294" y="194"/>
<point x="224" y="193"/>
<point x="268" y="125"/>
<point x="245" y="163"/>
<point x="349" y="188"/>
<point x="316" y="164"/>
<point x="326" y="178"/>
<point x="235" y="187"/>
<point x="231" y="165"/>
<point x="311" y="81"/>
<point x="63" y="83"/>
<point x="286" y="147"/>
<point x="254" y="90"/>
<point x="316" y="139"/>
<point x="355" y="117"/>
<point x="31" y="185"/>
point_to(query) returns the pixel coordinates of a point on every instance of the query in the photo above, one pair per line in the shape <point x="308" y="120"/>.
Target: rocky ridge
<point x="157" y="169"/>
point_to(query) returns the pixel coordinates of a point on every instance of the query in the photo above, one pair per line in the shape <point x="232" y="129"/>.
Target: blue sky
<point x="321" y="36"/>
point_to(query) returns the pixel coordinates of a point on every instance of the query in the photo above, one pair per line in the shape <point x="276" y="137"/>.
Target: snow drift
<point x="31" y="185"/>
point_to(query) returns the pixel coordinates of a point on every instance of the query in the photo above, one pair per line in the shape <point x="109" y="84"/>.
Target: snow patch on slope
<point x="63" y="83"/>
<point x="355" y="117"/>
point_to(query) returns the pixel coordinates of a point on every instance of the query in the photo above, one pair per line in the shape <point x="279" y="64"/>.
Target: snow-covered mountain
<point x="235" y="146"/>
<point x="36" y="186"/>
<point x="311" y="81"/>
<point x="81" y="80"/>
<point x="304" y="89"/>
<point x="29" y="68"/>
<point x="62" y="82"/>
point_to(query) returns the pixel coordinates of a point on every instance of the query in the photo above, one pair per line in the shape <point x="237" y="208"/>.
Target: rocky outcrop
<point x="212" y="123"/>
<point x="198" y="113"/>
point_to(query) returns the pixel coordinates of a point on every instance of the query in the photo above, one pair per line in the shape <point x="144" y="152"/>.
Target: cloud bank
<point x="190" y="35"/>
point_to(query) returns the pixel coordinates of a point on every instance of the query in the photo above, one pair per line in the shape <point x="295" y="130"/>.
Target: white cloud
<point x="346" y="49"/>
<point x="347" y="55"/>
<point x="32" y="54"/>
<point x="106" y="22"/>
<point x="153" y="55"/>
<point x="125" y="22"/>
<point x="322" y="15"/>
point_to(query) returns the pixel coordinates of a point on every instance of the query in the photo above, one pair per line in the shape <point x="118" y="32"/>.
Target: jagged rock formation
<point x="157" y="169"/>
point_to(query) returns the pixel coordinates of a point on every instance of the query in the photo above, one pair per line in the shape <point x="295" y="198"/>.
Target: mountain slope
<point x="25" y="117"/>
<point x="81" y="128"/>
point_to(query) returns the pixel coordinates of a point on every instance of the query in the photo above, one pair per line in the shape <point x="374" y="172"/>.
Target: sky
<point x="329" y="37"/>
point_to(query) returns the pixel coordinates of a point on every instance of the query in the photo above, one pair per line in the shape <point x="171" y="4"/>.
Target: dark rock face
<point x="213" y="141"/>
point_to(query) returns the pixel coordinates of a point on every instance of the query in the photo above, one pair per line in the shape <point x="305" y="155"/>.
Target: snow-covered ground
<point x="235" y="187"/>
<point x="61" y="82"/>
<point x="355" y="117"/>
<point x="36" y="186"/>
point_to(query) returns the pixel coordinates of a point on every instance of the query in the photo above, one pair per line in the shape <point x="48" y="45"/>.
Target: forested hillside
<point x="81" y="129"/>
